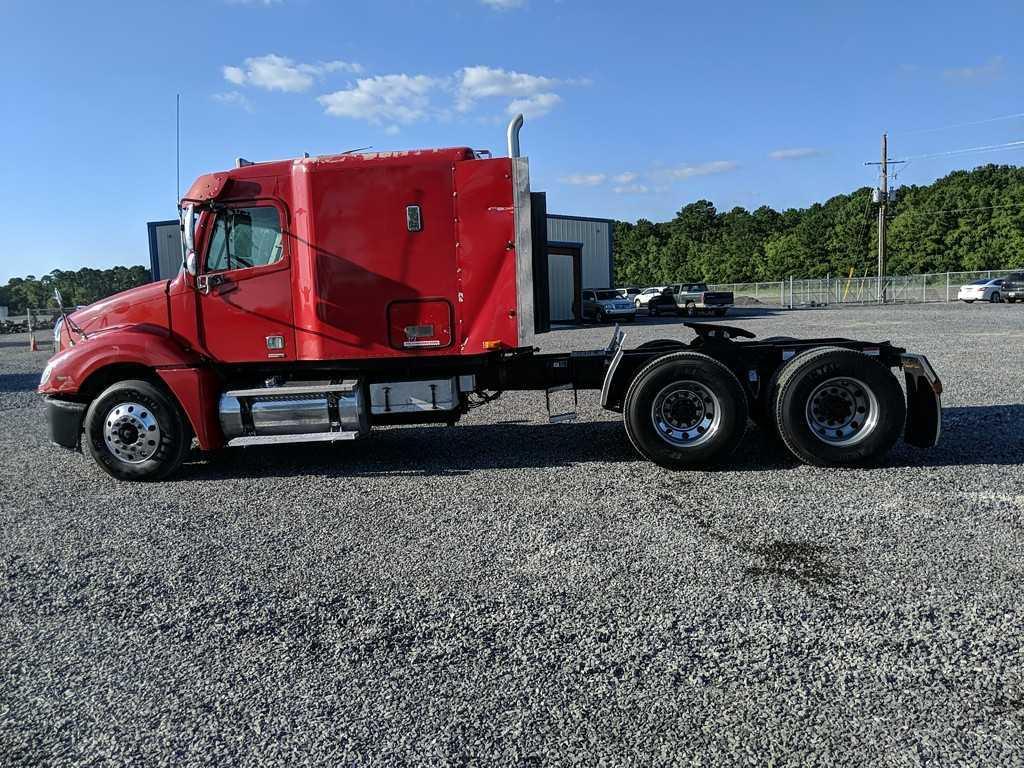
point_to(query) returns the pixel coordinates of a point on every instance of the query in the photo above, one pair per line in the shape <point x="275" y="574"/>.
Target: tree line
<point x="968" y="220"/>
<point x="82" y="287"/>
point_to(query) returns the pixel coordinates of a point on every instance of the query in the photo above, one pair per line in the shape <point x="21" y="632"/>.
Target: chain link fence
<point x="892" y="289"/>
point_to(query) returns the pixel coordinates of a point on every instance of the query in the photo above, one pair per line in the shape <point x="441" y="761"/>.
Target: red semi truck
<point x="320" y="297"/>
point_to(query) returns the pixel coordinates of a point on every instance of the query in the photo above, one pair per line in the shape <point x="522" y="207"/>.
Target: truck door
<point x="245" y="300"/>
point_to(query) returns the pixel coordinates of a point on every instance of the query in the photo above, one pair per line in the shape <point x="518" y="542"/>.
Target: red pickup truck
<point x="320" y="297"/>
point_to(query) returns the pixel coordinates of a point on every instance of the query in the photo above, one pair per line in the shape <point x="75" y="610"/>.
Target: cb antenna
<point x="177" y="149"/>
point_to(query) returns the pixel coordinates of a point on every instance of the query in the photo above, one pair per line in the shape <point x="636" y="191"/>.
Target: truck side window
<point x="245" y="237"/>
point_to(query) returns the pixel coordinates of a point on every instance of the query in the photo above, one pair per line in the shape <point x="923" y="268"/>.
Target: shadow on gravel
<point x="18" y="382"/>
<point x="971" y="435"/>
<point x="451" y="451"/>
<point x="974" y="434"/>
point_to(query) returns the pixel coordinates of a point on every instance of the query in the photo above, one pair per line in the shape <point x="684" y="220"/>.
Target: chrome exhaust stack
<point x="513" y="135"/>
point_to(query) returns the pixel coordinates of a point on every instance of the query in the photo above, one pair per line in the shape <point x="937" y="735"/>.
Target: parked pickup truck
<point x="690" y="299"/>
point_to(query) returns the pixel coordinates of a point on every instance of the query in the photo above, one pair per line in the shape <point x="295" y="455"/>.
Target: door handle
<point x="207" y="283"/>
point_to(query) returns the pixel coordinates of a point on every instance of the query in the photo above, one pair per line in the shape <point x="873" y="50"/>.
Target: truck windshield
<point x="605" y="295"/>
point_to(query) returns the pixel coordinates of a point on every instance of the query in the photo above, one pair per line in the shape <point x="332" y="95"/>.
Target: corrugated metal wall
<point x="595" y="235"/>
<point x="560" y="286"/>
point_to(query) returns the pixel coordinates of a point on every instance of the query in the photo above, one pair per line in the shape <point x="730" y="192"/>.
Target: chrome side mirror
<point x="188" y="238"/>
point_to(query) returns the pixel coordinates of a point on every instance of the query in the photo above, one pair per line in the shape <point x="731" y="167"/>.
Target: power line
<point x="965" y="125"/>
<point x="985" y="148"/>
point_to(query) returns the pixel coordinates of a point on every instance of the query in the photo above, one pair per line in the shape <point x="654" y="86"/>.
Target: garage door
<point x="561" y="286"/>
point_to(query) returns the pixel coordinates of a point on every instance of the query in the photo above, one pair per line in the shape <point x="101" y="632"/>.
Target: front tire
<point x="684" y="410"/>
<point x="837" y="407"/>
<point x="135" y="431"/>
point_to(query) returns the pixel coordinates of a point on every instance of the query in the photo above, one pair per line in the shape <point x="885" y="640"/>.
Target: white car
<point x="982" y="290"/>
<point x="641" y="299"/>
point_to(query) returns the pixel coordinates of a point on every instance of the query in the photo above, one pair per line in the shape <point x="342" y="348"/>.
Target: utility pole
<point x="881" y="197"/>
<point x="881" y="215"/>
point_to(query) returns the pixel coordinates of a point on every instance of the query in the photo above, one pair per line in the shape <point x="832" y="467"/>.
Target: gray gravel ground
<point x="508" y="592"/>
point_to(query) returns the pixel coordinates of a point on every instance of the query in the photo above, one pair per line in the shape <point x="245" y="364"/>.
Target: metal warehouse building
<point x="579" y="256"/>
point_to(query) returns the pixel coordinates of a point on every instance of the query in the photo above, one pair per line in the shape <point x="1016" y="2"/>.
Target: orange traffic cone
<point x="33" y="345"/>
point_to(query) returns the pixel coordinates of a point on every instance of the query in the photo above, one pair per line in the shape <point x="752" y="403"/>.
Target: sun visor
<point x="207" y="187"/>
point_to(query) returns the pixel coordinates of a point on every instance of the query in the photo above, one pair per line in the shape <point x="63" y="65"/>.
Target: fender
<point x="147" y="345"/>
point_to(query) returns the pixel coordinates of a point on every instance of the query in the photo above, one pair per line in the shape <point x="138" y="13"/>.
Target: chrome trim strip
<point x="316" y="437"/>
<point x="302" y="389"/>
<point x="524" y="250"/>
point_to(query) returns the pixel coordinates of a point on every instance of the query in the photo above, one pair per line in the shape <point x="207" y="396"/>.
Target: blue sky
<point x="633" y="109"/>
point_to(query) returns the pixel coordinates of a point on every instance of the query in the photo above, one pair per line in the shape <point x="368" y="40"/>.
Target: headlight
<point x="56" y="334"/>
<point x="46" y="374"/>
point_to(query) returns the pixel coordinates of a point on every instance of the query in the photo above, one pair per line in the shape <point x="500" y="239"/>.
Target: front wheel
<point x="135" y="431"/>
<point x="685" y="409"/>
<point x="599" y="317"/>
<point x="835" y="407"/>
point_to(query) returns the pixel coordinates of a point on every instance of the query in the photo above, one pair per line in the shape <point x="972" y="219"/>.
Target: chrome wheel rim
<point x="131" y="432"/>
<point x="686" y="414"/>
<point x="842" y="411"/>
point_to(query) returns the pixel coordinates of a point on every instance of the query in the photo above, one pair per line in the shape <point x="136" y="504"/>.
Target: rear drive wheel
<point x="685" y="409"/>
<point x="837" y="406"/>
<point x="135" y="431"/>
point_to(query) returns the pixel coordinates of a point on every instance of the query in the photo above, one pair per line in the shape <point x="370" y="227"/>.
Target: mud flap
<point x="924" y="402"/>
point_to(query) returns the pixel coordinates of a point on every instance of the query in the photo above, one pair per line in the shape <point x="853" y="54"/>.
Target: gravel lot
<point x="508" y="592"/>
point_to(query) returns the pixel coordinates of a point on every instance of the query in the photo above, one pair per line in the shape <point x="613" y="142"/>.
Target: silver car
<point x="982" y="290"/>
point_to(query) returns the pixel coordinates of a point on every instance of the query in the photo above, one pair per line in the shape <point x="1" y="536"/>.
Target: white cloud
<point x="392" y="130"/>
<point x="504" y="5"/>
<point x="794" y="153"/>
<point x="233" y="98"/>
<point x="631" y="189"/>
<point x="279" y="73"/>
<point x="396" y="98"/>
<point x="626" y="178"/>
<point x="983" y="73"/>
<point x="404" y="98"/>
<point x="584" y="179"/>
<point x="481" y="82"/>
<point x="701" y="169"/>
<point x="534" y="106"/>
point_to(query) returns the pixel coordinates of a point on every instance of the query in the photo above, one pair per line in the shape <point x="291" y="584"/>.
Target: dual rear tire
<point x="829" y="407"/>
<point x="836" y="407"/>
